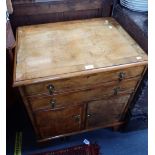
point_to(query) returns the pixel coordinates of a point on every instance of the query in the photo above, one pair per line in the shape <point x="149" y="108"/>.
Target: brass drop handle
<point x="122" y="76"/>
<point x="51" y="89"/>
<point x="116" y="90"/>
<point x="76" y="118"/>
<point x="89" y="115"/>
<point x="52" y="103"/>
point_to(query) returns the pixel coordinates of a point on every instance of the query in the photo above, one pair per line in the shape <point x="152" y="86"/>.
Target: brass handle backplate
<point x="76" y="118"/>
<point x="51" y="89"/>
<point x="122" y="76"/>
<point x="116" y="90"/>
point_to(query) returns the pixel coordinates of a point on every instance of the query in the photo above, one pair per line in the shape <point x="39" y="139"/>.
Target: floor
<point x="111" y="143"/>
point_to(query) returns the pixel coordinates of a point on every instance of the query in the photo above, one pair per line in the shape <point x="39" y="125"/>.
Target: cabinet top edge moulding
<point x="73" y="48"/>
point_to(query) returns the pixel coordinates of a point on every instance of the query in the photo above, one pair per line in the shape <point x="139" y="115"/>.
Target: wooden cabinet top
<point x="57" y="50"/>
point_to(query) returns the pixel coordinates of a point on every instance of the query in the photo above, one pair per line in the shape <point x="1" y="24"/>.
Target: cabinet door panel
<point x="58" y="122"/>
<point x="104" y="112"/>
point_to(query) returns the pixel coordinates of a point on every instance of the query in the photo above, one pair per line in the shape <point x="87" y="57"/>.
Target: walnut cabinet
<point x="76" y="76"/>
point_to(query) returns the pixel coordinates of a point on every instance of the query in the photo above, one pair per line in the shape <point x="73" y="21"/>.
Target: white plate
<point x="135" y="5"/>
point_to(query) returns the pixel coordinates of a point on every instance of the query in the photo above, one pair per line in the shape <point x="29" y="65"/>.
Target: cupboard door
<point x="58" y="122"/>
<point x="105" y="112"/>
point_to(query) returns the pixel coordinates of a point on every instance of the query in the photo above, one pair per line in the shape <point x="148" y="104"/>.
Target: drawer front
<point x="58" y="122"/>
<point x="83" y="82"/>
<point x="104" y="112"/>
<point x="73" y="98"/>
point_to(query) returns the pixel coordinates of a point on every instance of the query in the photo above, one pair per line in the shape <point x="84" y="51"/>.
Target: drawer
<point x="58" y="122"/>
<point x="82" y="82"/>
<point x="104" y="112"/>
<point x="68" y="99"/>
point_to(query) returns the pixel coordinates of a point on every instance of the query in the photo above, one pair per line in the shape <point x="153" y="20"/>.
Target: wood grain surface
<point x="102" y="112"/>
<point x="49" y="50"/>
<point x="52" y="123"/>
<point x="83" y="82"/>
<point x="68" y="99"/>
<point x="30" y="12"/>
<point x="52" y="6"/>
<point x="76" y="76"/>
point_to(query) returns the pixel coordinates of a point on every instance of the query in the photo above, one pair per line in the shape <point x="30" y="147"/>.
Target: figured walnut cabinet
<point x="76" y="76"/>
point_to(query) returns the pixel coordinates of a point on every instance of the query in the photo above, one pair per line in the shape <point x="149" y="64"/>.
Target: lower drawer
<point x="68" y="99"/>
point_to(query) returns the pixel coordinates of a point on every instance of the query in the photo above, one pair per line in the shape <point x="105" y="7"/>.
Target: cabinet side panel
<point x="29" y="111"/>
<point x="131" y="101"/>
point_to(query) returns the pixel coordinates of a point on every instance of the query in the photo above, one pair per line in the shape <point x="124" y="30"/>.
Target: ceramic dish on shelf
<point x="135" y="5"/>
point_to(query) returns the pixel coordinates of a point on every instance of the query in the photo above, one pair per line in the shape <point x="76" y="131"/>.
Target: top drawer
<point x="82" y="82"/>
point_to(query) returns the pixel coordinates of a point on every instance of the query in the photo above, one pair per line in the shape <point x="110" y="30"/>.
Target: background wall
<point x="27" y="12"/>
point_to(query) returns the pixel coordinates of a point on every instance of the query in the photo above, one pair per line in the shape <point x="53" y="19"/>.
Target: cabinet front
<point x="83" y="82"/>
<point x="105" y="112"/>
<point x="110" y="89"/>
<point x="58" y="122"/>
